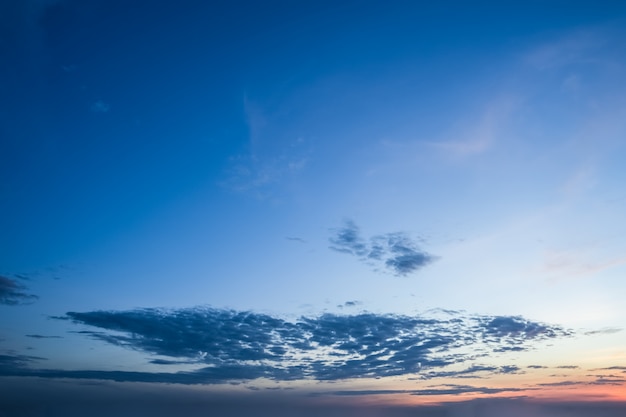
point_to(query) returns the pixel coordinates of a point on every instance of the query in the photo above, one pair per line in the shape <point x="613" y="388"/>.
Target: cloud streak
<point x="396" y="252"/>
<point x="13" y="292"/>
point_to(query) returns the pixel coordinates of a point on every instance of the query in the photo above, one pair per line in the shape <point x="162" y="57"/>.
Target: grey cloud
<point x="13" y="292"/>
<point x="244" y="345"/>
<point x="395" y="251"/>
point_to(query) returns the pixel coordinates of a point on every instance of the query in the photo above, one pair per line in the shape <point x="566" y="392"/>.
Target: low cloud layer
<point x="12" y="292"/>
<point x="228" y="345"/>
<point x="37" y="397"/>
<point x="396" y="252"/>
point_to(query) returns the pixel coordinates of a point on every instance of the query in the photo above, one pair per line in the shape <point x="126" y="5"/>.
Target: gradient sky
<point x="324" y="204"/>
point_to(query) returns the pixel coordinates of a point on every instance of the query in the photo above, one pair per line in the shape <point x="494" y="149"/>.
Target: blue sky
<point x="391" y="201"/>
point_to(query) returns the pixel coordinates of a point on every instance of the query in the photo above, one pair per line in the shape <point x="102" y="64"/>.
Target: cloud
<point x="608" y="330"/>
<point x="567" y="264"/>
<point x="14" y="293"/>
<point x="481" y="136"/>
<point x="229" y="345"/>
<point x="396" y="252"/>
<point x="347" y="239"/>
<point x="10" y="363"/>
<point x="349" y="304"/>
<point x="611" y="368"/>
<point x="39" y="336"/>
<point x="445" y="389"/>
<point x="574" y="47"/>
<point x="453" y="389"/>
<point x="264" y="171"/>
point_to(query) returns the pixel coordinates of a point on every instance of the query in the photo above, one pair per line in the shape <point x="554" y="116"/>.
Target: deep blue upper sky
<point x="174" y="77"/>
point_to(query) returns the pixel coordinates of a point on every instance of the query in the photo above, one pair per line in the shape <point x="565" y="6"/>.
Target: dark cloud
<point x="11" y="363"/>
<point x="230" y="345"/>
<point x="394" y="251"/>
<point x="39" y="336"/>
<point x="13" y="292"/>
<point x="611" y="368"/>
<point x="349" y="304"/>
<point x="295" y="239"/>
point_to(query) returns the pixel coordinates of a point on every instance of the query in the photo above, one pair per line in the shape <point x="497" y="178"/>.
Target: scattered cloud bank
<point x="396" y="252"/>
<point x="13" y="292"/>
<point x="232" y="345"/>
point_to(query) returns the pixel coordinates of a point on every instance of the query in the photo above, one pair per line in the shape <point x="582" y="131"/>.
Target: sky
<point x="312" y="207"/>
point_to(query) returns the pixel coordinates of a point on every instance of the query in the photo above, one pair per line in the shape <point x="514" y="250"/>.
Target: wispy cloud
<point x="266" y="163"/>
<point x="571" y="48"/>
<point x="577" y="263"/>
<point x="295" y="239"/>
<point x="396" y="252"/>
<point x="242" y="345"/>
<point x="12" y="292"/>
<point x="481" y="135"/>
<point x="100" y="106"/>
<point x="256" y="174"/>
